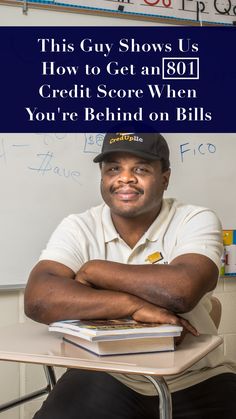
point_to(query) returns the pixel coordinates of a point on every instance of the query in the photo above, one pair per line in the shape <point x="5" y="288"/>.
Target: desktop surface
<point x="31" y="342"/>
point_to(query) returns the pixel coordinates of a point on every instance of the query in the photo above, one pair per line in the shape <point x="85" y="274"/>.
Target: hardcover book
<point x="123" y="346"/>
<point x="96" y="330"/>
<point x="122" y="336"/>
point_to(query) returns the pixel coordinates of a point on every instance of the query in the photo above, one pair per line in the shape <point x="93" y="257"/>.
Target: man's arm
<point x="177" y="287"/>
<point x="52" y="294"/>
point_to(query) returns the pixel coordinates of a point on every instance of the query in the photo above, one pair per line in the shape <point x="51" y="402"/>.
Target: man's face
<point x="132" y="186"/>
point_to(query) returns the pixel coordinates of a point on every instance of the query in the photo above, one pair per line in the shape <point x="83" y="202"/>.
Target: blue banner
<point x="88" y="79"/>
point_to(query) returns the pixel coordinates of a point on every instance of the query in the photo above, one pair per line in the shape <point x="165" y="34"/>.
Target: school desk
<point x="32" y="343"/>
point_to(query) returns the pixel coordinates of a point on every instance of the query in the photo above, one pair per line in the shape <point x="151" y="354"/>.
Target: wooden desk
<point x="32" y="343"/>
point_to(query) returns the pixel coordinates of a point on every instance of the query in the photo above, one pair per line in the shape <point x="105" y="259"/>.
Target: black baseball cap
<point x="150" y="146"/>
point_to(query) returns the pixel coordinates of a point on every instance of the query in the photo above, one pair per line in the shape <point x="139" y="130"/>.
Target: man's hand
<point x="82" y="278"/>
<point x="151" y="313"/>
<point x="146" y="312"/>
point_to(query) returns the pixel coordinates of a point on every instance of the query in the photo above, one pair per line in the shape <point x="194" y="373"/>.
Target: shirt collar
<point x="152" y="234"/>
<point x="110" y="233"/>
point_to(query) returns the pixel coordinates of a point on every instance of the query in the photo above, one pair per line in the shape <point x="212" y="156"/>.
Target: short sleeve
<point x="64" y="245"/>
<point x="201" y="233"/>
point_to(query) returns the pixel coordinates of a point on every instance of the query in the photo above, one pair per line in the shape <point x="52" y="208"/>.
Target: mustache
<point x="119" y="188"/>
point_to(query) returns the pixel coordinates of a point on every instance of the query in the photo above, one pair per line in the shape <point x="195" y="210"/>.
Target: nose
<point x="127" y="176"/>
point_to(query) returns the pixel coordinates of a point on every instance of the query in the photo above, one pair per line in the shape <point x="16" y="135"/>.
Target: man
<point x="141" y="256"/>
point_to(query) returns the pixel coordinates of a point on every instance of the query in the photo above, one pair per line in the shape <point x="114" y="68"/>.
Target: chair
<point x="216" y="311"/>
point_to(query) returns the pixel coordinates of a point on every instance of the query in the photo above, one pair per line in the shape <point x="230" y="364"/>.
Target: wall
<point x="226" y="292"/>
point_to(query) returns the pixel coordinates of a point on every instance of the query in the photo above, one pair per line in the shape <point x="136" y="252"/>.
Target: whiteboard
<point x="176" y="12"/>
<point x="45" y="177"/>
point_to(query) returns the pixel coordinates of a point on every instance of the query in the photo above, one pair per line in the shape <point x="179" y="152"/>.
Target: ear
<point x="166" y="178"/>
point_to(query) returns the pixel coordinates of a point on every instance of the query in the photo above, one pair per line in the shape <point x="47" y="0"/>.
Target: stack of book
<point x="116" y="337"/>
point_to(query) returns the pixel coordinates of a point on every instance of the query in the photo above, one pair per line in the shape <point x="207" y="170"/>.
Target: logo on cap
<point x="125" y="137"/>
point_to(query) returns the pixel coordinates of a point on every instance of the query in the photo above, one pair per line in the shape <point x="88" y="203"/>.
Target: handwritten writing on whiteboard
<point x="8" y="149"/>
<point x="47" y="154"/>
<point x="188" y="150"/>
<point x="49" y="139"/>
<point x="46" y="164"/>
<point x="217" y="11"/>
<point x="93" y="143"/>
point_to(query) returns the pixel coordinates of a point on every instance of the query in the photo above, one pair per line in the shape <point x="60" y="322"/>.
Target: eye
<point x="113" y="169"/>
<point x="141" y="170"/>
